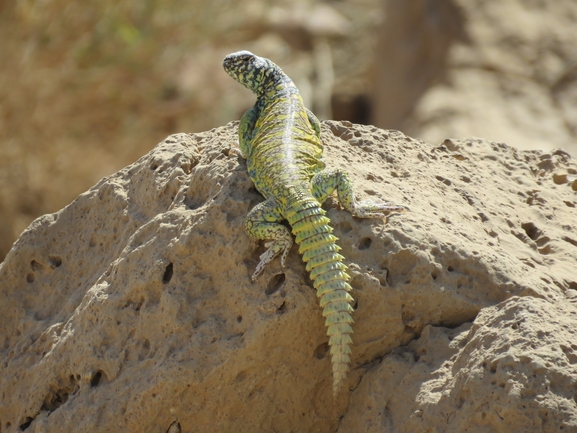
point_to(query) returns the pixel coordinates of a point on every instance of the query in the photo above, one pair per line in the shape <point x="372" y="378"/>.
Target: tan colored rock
<point x="512" y="370"/>
<point x="132" y="309"/>
<point x="502" y="70"/>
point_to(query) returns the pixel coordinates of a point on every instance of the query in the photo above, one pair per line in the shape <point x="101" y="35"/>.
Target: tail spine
<point x="320" y="252"/>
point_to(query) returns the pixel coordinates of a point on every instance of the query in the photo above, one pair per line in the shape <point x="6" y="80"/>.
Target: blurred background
<point x="88" y="87"/>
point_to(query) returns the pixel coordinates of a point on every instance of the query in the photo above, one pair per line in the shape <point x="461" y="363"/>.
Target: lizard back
<point x="285" y="151"/>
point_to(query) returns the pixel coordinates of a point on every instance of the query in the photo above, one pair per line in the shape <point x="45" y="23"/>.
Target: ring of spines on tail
<point x="318" y="246"/>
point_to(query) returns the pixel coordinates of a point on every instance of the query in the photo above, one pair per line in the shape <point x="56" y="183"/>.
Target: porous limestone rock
<point x="132" y="309"/>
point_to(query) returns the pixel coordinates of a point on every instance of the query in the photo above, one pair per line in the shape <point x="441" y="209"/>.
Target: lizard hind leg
<point x="325" y="182"/>
<point x="262" y="222"/>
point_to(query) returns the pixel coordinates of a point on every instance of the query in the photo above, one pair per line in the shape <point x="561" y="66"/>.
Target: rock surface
<point x="132" y="308"/>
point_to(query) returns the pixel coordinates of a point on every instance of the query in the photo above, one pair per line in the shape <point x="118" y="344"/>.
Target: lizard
<point x="280" y="139"/>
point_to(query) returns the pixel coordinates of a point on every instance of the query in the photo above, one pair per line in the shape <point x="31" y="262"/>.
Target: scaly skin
<point x="280" y="139"/>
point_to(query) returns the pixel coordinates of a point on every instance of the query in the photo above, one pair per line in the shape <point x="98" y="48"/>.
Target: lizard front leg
<point x="314" y="121"/>
<point x="262" y="222"/>
<point x="245" y="132"/>
<point x="325" y="182"/>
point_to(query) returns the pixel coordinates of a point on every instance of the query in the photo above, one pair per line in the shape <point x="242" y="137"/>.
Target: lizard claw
<point x="256" y="275"/>
<point x="275" y="247"/>
<point x="377" y="210"/>
<point x="234" y="151"/>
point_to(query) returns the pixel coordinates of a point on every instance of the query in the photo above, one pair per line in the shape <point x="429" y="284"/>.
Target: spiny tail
<point x="320" y="252"/>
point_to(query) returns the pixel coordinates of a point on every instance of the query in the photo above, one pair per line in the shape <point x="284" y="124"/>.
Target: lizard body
<point x="280" y="139"/>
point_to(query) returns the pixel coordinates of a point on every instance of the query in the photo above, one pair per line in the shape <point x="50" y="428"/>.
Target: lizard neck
<point x="280" y="86"/>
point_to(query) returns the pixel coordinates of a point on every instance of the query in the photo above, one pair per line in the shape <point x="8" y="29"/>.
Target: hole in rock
<point x="445" y="181"/>
<point x="365" y="243"/>
<point x="356" y="305"/>
<point x="239" y="319"/>
<point x="560" y="179"/>
<point x="35" y="265"/>
<point x="30" y="277"/>
<point x="55" y="261"/>
<point x="26" y="423"/>
<point x="484" y="218"/>
<point x="154" y="166"/>
<point x="322" y="350"/>
<point x="96" y="379"/>
<point x="545" y="250"/>
<point x="531" y="230"/>
<point x="275" y="283"/>
<point x="450" y="268"/>
<point x="282" y="308"/>
<point x="55" y="399"/>
<point x="168" y="274"/>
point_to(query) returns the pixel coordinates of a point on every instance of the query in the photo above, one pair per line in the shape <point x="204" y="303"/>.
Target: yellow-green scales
<point x="280" y="139"/>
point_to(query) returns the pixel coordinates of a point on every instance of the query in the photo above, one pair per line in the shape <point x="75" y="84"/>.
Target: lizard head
<point x="252" y="71"/>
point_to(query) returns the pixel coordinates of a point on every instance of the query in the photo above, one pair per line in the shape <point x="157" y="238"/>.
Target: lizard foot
<point x="369" y="209"/>
<point x="234" y="151"/>
<point x="274" y="249"/>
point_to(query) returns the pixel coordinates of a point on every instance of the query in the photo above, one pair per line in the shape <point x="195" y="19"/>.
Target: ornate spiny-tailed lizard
<point x="280" y="139"/>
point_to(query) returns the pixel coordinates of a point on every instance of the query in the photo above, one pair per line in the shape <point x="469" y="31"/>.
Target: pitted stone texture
<point x="132" y="308"/>
<point x="512" y="370"/>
